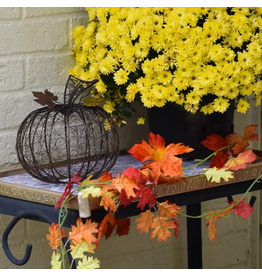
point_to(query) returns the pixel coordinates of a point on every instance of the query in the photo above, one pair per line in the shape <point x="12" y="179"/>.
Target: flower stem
<point x="203" y="160"/>
<point x="63" y="209"/>
<point x="232" y="205"/>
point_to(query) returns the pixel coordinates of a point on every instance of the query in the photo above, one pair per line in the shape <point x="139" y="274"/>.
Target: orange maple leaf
<point x="53" y="237"/>
<point x="144" y="151"/>
<point x="163" y="159"/>
<point x="145" y="221"/>
<point x="160" y="228"/>
<point x="241" y="161"/>
<point x="105" y="177"/>
<point x="107" y="201"/>
<point x="125" y="183"/>
<point x="216" y="215"/>
<point x="170" y="210"/>
<point x="212" y="231"/>
<point x="106" y="226"/>
<point x="83" y="231"/>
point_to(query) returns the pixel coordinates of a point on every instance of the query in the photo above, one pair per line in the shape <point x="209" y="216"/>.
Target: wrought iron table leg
<point x="30" y="214"/>
<point x="194" y="237"/>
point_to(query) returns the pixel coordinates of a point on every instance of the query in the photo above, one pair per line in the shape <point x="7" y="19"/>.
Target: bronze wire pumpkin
<point x="59" y="140"/>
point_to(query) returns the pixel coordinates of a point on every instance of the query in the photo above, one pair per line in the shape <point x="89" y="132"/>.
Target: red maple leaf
<point x="242" y="142"/>
<point x="176" y="222"/>
<point x="135" y="174"/>
<point x="243" y="210"/>
<point x="146" y="197"/>
<point x="75" y="179"/>
<point x="106" y="226"/>
<point x="215" y="142"/>
<point x="219" y="159"/>
<point x="124" y="200"/>
<point x="122" y="226"/>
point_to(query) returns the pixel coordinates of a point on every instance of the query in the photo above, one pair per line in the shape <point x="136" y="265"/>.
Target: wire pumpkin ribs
<point x="59" y="140"/>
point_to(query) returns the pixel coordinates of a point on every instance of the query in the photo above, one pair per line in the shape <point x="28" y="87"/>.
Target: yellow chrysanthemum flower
<point x="245" y="60"/>
<point x="120" y="77"/>
<point x="188" y="52"/>
<point x="191" y="108"/>
<point x="258" y="100"/>
<point x="131" y="92"/>
<point x="147" y="99"/>
<point x="109" y="107"/>
<point x="221" y="105"/>
<point x="193" y="98"/>
<point x="207" y="109"/>
<point x="242" y="106"/>
<point x="141" y="121"/>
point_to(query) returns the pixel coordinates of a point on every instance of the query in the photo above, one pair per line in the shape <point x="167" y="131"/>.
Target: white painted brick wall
<point x="34" y="54"/>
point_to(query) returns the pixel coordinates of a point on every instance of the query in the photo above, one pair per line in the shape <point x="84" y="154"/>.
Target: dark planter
<point x="176" y="125"/>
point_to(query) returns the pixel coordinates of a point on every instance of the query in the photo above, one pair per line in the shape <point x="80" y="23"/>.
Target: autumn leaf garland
<point x="160" y="164"/>
<point x="239" y="144"/>
<point x="164" y="160"/>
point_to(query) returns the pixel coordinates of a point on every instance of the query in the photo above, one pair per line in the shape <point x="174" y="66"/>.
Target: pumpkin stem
<point x="75" y="87"/>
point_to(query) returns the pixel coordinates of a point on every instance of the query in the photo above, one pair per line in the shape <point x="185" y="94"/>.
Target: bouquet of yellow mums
<point x="180" y="55"/>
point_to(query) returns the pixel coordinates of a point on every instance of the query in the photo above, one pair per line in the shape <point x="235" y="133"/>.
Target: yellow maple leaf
<point x="87" y="181"/>
<point x="55" y="260"/>
<point x="78" y="250"/>
<point x="89" y="263"/>
<point x="93" y="191"/>
<point x="214" y="174"/>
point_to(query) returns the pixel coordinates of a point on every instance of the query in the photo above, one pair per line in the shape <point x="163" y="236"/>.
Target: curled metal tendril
<point x="30" y="214"/>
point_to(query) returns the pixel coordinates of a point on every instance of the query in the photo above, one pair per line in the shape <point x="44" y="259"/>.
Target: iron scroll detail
<point x="30" y="214"/>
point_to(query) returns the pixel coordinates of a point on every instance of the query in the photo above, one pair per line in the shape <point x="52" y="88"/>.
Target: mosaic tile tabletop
<point x="123" y="162"/>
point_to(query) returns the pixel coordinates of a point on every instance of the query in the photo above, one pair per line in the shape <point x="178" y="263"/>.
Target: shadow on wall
<point x="132" y="133"/>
